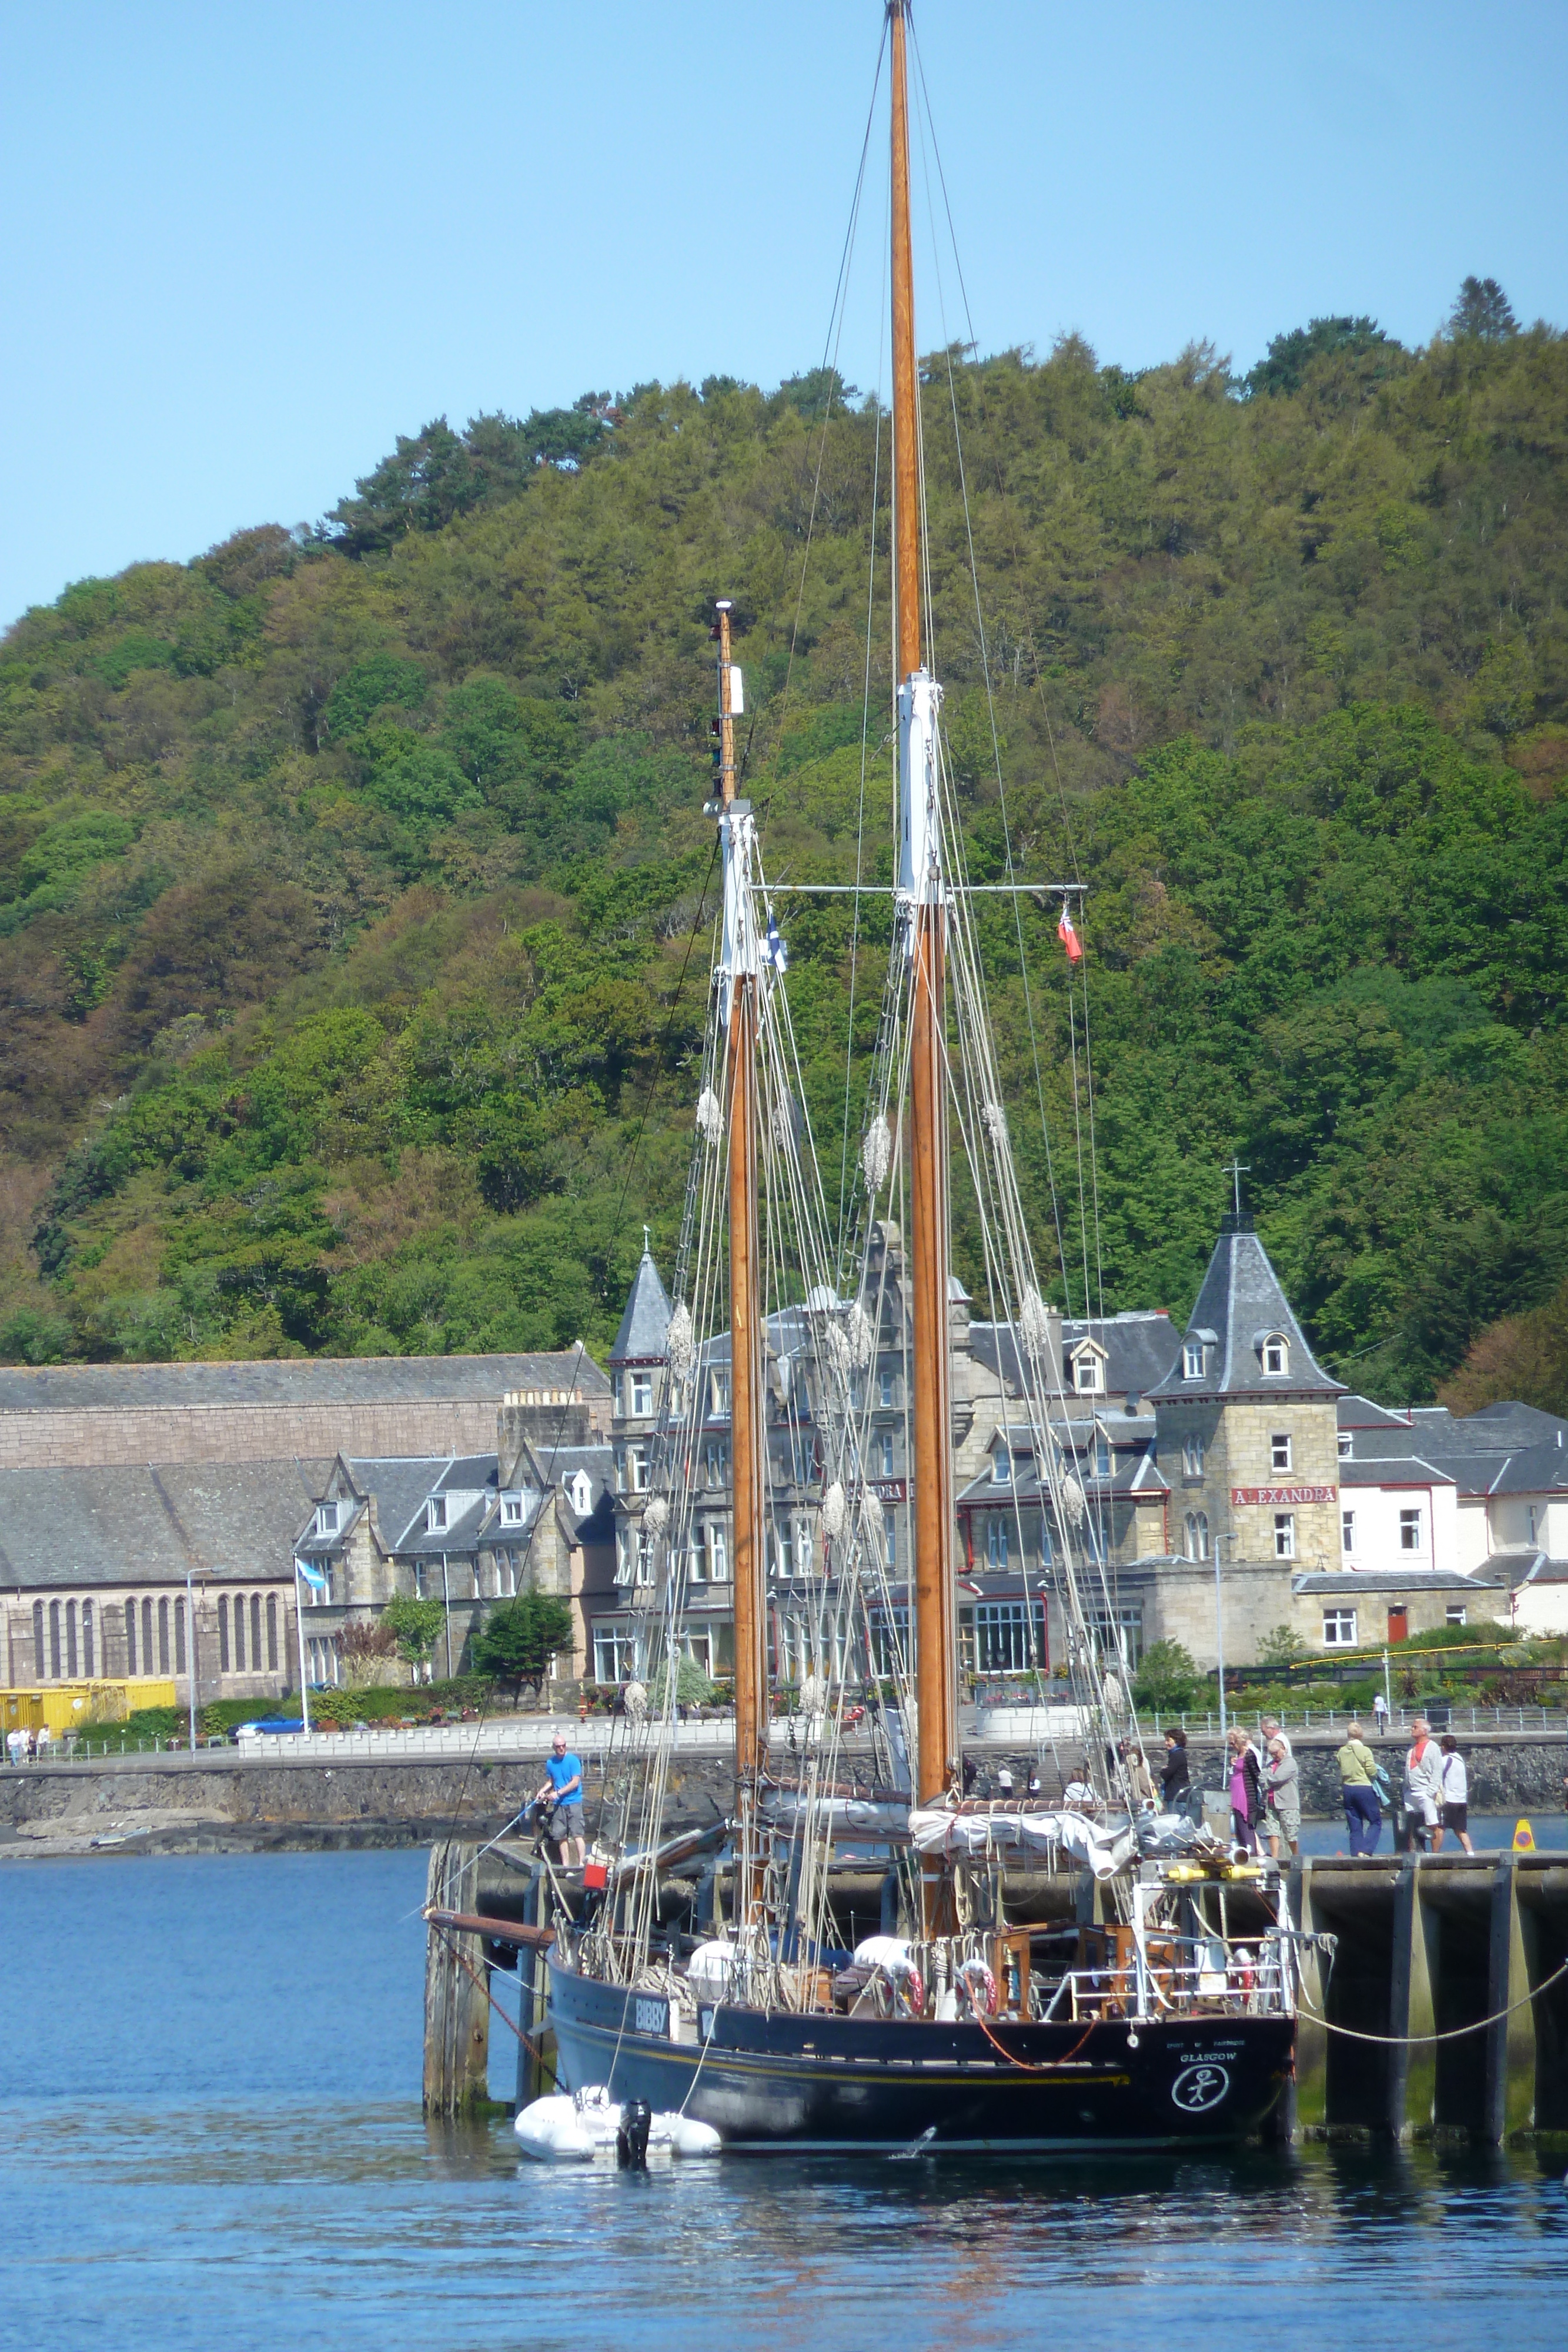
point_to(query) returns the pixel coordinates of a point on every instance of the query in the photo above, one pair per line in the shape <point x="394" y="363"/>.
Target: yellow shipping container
<point x="59" y="1707"/>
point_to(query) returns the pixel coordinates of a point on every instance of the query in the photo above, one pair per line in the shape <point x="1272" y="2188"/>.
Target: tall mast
<point x="921" y="890"/>
<point x="741" y="971"/>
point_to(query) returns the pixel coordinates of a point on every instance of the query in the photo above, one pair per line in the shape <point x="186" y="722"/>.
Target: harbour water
<point x="210" y="2136"/>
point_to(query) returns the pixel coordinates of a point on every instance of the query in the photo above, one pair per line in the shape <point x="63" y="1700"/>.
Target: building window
<point x="783" y="1554"/>
<point x="223" y="1653"/>
<point x="1410" y="1530"/>
<point x="1192" y="1360"/>
<point x="995" y="1541"/>
<point x="511" y="1510"/>
<point x="643" y="1546"/>
<point x="890" y="1536"/>
<point x="995" y="1637"/>
<point x="614" y="1654"/>
<point x="1197" y="1535"/>
<point x="1276" y="1354"/>
<point x="1001" y="1467"/>
<point x="179" y="1637"/>
<point x="326" y="1519"/>
<point x="272" y="1632"/>
<point x="1088" y="1374"/>
<point x="147" y="1637"/>
<point x="1102" y="1454"/>
<point x="164" y="1638"/>
<point x="506" y="1574"/>
<point x="1339" y="1629"/>
<point x="718" y="1393"/>
<point x="642" y="1394"/>
<point x="1454" y="1614"/>
<point x="1346" y="1443"/>
<point x="88" y="1667"/>
<point x="1279" y="1450"/>
<point x="435" y="1514"/>
<point x="131" y="1637"/>
<point x="72" y="1641"/>
<point x="1118" y="1634"/>
<point x="254" y="1635"/>
<point x="239" y="1632"/>
<point x="1532" y="1536"/>
<point x="884" y="1391"/>
<point x="888" y="1639"/>
<point x="716" y="1537"/>
<point x="1192" y="1457"/>
<point x="885" y="1447"/>
<point x="716" y="1463"/>
<point x="420" y="1592"/>
<point x="805" y="1560"/>
<point x="1284" y="1535"/>
<point x="1347" y="1531"/>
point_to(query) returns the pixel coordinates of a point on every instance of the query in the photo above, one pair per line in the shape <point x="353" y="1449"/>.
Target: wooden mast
<point x="937" y="1760"/>
<point x="749" y="1528"/>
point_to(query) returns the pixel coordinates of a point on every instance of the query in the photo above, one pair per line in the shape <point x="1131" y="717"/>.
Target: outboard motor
<point x="632" y="2135"/>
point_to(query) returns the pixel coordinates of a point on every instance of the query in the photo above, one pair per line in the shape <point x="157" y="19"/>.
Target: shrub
<point x="1167" y="1681"/>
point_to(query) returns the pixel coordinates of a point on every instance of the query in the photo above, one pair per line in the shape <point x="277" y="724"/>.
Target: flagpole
<point x="300" y="1629"/>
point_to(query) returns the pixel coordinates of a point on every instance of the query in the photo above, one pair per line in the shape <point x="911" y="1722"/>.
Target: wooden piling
<point x="1306" y="2099"/>
<point x="1412" y="2010"/>
<point x="457" y="1996"/>
<point x="1511" y="2053"/>
<point x="535" y="2074"/>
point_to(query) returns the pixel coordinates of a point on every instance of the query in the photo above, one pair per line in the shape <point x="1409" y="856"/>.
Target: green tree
<point x="520" y="1639"/>
<point x="1167" y="1681"/>
<point x="1482" y="313"/>
<point x="415" y="1625"/>
<point x="1281" y="1647"/>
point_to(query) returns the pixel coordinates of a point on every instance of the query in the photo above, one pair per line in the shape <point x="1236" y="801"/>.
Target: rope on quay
<point x="1454" y="2033"/>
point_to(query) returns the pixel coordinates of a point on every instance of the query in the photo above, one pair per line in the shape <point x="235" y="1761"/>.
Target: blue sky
<point x="244" y="246"/>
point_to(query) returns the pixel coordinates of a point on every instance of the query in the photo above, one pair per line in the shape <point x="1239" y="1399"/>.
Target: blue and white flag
<point x="312" y="1576"/>
<point x="774" y="948"/>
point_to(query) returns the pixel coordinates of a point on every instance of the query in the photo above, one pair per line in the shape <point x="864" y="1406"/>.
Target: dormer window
<point x="1346" y="1445"/>
<point x="435" y="1514"/>
<point x="326" y="1519"/>
<point x="1192" y="1360"/>
<point x="1001" y="1467"/>
<point x="511" y="1510"/>
<point x="642" y="1394"/>
<point x="582" y="1491"/>
<point x="1276" y="1353"/>
<point x="1088" y="1374"/>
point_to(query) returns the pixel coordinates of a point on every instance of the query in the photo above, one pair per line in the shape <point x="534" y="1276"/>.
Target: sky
<point x="244" y="246"/>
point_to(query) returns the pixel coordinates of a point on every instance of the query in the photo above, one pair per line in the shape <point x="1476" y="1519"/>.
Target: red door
<point x="1399" y="1623"/>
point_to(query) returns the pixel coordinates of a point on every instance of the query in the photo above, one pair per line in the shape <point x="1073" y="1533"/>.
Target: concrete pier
<point x="1438" y="2018"/>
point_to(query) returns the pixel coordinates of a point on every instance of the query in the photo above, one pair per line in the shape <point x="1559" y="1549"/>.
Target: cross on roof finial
<point x="646" y="1250"/>
<point x="1236" y="1168"/>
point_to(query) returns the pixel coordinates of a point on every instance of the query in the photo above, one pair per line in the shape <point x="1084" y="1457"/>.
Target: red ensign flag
<point x="1069" y="939"/>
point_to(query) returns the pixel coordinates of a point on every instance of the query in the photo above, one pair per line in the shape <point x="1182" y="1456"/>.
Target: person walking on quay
<point x="1358" y="1787"/>
<point x="1456" y="1796"/>
<point x="1281" y="1798"/>
<point x="1246" y="1785"/>
<point x="564" y="1783"/>
<point x="1380" y="1713"/>
<point x="1423" y="1788"/>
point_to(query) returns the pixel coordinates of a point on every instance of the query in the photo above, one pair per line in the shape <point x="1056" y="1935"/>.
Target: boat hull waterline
<point x="784" y="2079"/>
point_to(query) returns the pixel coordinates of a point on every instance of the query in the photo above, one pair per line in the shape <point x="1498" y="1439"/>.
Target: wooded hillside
<point x="353" y="929"/>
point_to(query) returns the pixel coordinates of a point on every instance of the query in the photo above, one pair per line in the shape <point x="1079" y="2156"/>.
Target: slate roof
<point x="1397" y="1470"/>
<point x="232" y="1522"/>
<point x="645" y="1331"/>
<point x="1359" y="1412"/>
<point x="1346" y="1582"/>
<point x="1139" y="1346"/>
<point x="359" y="1380"/>
<point x="1535" y="1470"/>
<point x="1241" y="1302"/>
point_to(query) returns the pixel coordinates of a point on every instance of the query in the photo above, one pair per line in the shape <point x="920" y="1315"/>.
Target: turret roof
<point x="1240" y="1307"/>
<point x="645" y="1333"/>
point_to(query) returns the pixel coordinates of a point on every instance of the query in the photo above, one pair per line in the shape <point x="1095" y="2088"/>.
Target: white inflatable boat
<point x="583" y="2130"/>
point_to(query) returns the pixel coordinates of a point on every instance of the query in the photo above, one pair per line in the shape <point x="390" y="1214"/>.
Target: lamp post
<point x="299" y="1631"/>
<point x="1219" y="1543"/>
<point x="191" y="1650"/>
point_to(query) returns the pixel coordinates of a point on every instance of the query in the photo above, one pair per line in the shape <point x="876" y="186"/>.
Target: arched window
<point x="179" y="1637"/>
<point x="1197" y="1535"/>
<point x="89" y="1662"/>
<point x="255" y="1633"/>
<point x="239" y="1632"/>
<point x="54" y="1641"/>
<point x="1276" y="1353"/>
<point x="272" y="1632"/>
<point x="131" y="1637"/>
<point x="1192" y="1360"/>
<point x="72" y="1641"/>
<point x="163" y="1637"/>
<point x="1192" y="1455"/>
<point x="39" y="1668"/>
<point x="147" y="1637"/>
<point x="223" y="1633"/>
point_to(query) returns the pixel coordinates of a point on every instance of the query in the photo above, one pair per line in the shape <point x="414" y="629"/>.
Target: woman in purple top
<point x="1246" y="1786"/>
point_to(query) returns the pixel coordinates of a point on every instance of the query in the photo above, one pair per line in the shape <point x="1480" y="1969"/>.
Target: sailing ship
<point x="711" y="1973"/>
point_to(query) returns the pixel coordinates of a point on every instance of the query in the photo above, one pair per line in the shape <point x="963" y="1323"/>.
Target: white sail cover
<point x="933" y="1830"/>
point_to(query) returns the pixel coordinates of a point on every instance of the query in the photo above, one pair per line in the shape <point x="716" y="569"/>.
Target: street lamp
<point x="1219" y="1543"/>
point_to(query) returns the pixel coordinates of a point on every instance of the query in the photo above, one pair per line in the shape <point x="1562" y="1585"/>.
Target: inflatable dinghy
<point x="590" y="2127"/>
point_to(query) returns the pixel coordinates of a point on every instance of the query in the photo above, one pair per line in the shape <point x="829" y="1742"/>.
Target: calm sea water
<point x="210" y="2136"/>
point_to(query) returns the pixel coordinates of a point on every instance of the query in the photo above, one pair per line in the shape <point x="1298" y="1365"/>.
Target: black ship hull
<point x="783" y="2080"/>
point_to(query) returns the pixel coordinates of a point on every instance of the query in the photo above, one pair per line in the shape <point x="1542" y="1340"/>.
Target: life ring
<point x="907" y="1986"/>
<point x="979" y="1986"/>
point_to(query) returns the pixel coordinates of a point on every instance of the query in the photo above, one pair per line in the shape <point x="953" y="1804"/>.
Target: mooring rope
<point x="1453" y="2033"/>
